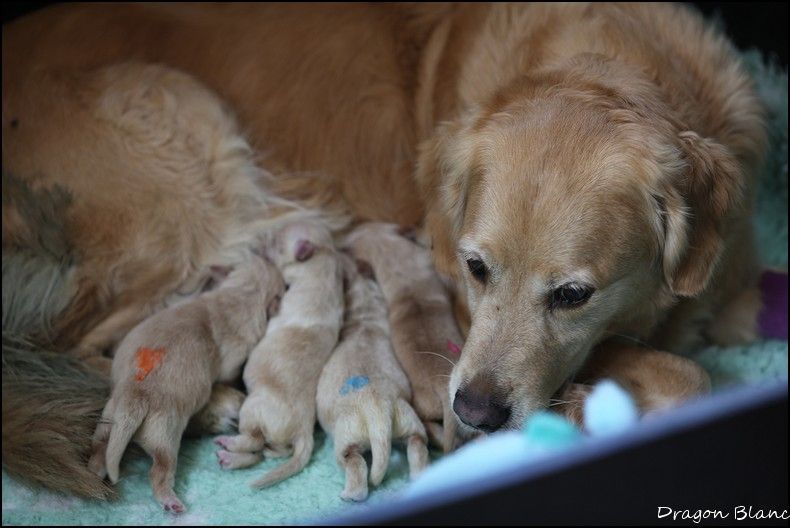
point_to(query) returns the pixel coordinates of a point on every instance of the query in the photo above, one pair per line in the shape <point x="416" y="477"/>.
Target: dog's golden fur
<point x="604" y="143"/>
<point x="161" y="183"/>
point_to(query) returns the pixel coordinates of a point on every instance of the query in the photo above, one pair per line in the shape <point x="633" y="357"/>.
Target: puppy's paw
<point x="224" y="458"/>
<point x="228" y="460"/>
<point x="225" y="442"/>
<point x="221" y="413"/>
<point x="354" y="495"/>
<point x="173" y="505"/>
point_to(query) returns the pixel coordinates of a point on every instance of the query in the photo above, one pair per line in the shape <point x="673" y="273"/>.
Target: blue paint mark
<point x="353" y="384"/>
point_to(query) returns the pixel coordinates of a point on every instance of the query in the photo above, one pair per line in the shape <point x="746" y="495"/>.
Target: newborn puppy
<point x="363" y="394"/>
<point x="278" y="416"/>
<point x="425" y="335"/>
<point x="164" y="369"/>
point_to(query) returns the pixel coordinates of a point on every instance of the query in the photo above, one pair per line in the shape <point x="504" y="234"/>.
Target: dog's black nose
<point x="479" y="405"/>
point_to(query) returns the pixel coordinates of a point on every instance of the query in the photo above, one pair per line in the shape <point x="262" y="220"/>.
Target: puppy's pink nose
<point x="479" y="405"/>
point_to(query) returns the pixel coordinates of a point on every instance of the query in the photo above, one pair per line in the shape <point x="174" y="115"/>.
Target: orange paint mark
<point x="147" y="360"/>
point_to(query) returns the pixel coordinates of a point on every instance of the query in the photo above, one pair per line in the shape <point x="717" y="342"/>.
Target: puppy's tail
<point x="303" y="449"/>
<point x="379" y="424"/>
<point x="127" y="419"/>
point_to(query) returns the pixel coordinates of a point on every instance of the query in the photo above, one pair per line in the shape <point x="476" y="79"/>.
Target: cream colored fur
<point x="420" y="317"/>
<point x="198" y="343"/>
<point x="279" y="414"/>
<point x="368" y="417"/>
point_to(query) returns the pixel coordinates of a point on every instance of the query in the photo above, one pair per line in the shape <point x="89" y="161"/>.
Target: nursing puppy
<point x="278" y="416"/>
<point x="425" y="335"/>
<point x="164" y="369"/>
<point x="363" y="394"/>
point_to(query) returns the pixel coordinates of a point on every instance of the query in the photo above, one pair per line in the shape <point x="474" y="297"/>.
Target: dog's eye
<point x="478" y="269"/>
<point x="570" y="295"/>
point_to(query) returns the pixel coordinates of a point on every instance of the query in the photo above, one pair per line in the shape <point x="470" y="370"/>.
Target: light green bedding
<point x="213" y="496"/>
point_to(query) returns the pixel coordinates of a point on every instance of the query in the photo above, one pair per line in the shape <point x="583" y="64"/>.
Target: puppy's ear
<point x="695" y="208"/>
<point x="444" y="168"/>
<point x="304" y="250"/>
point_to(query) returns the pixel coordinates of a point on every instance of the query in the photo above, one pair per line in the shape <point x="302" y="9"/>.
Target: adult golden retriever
<point x="585" y="171"/>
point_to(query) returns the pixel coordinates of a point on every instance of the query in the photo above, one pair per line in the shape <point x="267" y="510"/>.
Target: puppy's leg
<point x="349" y="456"/>
<point x="220" y="414"/>
<point x="409" y="427"/>
<point x="230" y="460"/>
<point x="161" y="438"/>
<point x="242" y="450"/>
<point x="656" y="380"/>
<point x="246" y="442"/>
<point x="96" y="463"/>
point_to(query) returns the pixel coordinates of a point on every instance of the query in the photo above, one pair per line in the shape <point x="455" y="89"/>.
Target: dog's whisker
<point x="569" y="402"/>
<point x="435" y="354"/>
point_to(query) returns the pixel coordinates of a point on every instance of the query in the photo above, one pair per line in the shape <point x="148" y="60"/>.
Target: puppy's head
<point x="572" y="206"/>
<point x="298" y="242"/>
<point x="379" y="241"/>
<point x="258" y="275"/>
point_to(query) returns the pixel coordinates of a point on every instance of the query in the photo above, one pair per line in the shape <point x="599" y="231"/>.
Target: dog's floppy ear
<point x="443" y="172"/>
<point x="697" y="203"/>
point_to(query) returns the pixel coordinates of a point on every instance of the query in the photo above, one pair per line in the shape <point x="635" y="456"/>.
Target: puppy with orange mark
<point x="281" y="375"/>
<point x="425" y="335"/>
<point x="363" y="394"/>
<point x="164" y="369"/>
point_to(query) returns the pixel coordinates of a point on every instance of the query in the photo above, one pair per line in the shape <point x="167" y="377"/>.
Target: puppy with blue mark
<point x="363" y="394"/>
<point x="425" y="335"/>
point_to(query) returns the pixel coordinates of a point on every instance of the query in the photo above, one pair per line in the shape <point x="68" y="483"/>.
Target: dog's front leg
<point x="657" y="380"/>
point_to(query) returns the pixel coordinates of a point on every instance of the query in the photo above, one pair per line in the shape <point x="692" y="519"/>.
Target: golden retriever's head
<point x="570" y="207"/>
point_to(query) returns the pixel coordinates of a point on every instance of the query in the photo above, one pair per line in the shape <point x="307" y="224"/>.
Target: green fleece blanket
<point x="214" y="496"/>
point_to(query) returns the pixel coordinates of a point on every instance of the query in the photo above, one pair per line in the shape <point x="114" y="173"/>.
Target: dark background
<point x="750" y="24"/>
